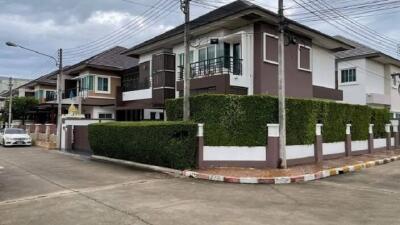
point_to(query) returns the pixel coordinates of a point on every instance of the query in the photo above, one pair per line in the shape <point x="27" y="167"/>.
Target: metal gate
<point x="81" y="139"/>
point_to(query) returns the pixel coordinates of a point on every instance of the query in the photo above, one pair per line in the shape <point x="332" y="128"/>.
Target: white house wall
<point x="375" y="77"/>
<point x="354" y="93"/>
<point x="393" y="91"/>
<point x="323" y="67"/>
<point x="246" y="37"/>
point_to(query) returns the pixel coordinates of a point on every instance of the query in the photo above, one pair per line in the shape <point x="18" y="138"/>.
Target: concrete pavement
<point x="42" y="187"/>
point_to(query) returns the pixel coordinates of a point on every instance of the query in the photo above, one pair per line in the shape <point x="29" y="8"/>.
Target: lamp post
<point x="58" y="63"/>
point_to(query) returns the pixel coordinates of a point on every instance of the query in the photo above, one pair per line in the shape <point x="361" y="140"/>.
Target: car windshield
<point x="14" y="131"/>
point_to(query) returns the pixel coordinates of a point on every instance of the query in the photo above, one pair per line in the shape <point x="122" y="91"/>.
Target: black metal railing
<point x="216" y="66"/>
<point x="135" y="84"/>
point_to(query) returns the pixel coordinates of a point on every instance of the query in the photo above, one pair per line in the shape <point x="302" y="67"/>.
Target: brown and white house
<point x="234" y="50"/>
<point x="93" y="84"/>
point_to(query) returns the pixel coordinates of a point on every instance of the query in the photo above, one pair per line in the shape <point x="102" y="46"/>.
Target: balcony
<point x="216" y="66"/>
<point x="378" y="99"/>
<point x="135" y="85"/>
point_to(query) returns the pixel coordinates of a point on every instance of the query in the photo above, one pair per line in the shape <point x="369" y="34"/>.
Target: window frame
<point x="105" y="115"/>
<point x="108" y="84"/>
<point x="265" y="45"/>
<point x="299" y="46"/>
<point x="348" y="82"/>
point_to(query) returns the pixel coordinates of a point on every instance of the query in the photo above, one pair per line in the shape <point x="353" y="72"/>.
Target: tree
<point x="20" y="107"/>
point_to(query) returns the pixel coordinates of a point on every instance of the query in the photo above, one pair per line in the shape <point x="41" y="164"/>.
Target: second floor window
<point x="348" y="75"/>
<point x="304" y="54"/>
<point x="102" y="84"/>
<point x="87" y="83"/>
<point x="270" y="48"/>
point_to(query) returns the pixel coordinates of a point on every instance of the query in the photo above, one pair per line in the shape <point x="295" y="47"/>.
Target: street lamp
<point x="58" y="63"/>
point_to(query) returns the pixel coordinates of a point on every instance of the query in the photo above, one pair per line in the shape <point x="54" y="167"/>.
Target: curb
<point x="139" y="165"/>
<point x="292" y="179"/>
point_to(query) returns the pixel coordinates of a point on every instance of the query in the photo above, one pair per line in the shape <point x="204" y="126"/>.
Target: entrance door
<point x="237" y="55"/>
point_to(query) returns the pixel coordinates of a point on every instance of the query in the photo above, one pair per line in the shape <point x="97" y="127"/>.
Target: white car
<point x="14" y="136"/>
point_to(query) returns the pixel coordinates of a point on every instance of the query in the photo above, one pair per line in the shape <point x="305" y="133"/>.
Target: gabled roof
<point x="359" y="50"/>
<point x="111" y="59"/>
<point x="220" y="14"/>
<point x="363" y="51"/>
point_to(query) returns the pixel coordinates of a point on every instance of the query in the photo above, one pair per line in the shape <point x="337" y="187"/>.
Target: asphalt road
<point x="43" y="187"/>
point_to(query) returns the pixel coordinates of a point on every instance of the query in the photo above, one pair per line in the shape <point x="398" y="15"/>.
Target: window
<point x="87" y="83"/>
<point x="211" y="53"/>
<point x="105" y="116"/>
<point x="270" y="48"/>
<point x="348" y="75"/>
<point x="102" y="84"/>
<point x="181" y="60"/>
<point x="394" y="81"/>
<point x="88" y="116"/>
<point x="304" y="58"/>
<point x="202" y="54"/>
<point x="152" y="115"/>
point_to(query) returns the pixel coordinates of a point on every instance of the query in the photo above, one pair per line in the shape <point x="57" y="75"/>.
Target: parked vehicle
<point x="14" y="136"/>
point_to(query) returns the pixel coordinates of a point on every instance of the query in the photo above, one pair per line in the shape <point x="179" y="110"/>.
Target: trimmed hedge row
<point x="168" y="144"/>
<point x="235" y="120"/>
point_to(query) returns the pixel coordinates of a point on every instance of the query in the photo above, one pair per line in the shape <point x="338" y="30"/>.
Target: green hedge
<point x="234" y="120"/>
<point x="169" y="144"/>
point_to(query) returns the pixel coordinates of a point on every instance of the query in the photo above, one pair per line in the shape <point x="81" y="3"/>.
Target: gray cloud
<point x="47" y="25"/>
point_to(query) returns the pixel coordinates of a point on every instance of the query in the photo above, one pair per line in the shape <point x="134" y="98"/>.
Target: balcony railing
<point x="134" y="85"/>
<point x="216" y="66"/>
<point x="73" y="92"/>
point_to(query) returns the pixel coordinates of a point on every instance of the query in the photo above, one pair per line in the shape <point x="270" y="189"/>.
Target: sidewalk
<point x="299" y="173"/>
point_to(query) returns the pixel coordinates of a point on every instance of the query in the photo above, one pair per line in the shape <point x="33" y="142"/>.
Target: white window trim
<point x="298" y="57"/>
<point x="347" y="83"/>
<point x="96" y="90"/>
<point x="264" y="48"/>
<point x="395" y="86"/>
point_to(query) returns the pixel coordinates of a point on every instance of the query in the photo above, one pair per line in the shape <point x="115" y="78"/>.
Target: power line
<point x="329" y="20"/>
<point x="146" y="23"/>
<point x="120" y="31"/>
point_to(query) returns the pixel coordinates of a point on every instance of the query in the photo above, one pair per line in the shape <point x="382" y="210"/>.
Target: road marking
<point x="74" y="192"/>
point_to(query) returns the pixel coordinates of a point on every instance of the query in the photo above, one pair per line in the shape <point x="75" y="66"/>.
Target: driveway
<point x="44" y="187"/>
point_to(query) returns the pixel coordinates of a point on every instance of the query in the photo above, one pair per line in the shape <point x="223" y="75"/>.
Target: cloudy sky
<point x="46" y="25"/>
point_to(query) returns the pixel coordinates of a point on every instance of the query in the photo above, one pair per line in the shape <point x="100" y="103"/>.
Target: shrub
<point x="233" y="120"/>
<point x="169" y="144"/>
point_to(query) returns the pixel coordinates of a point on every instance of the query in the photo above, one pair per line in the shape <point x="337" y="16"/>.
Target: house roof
<point x="363" y="51"/>
<point x="111" y="59"/>
<point x="218" y="15"/>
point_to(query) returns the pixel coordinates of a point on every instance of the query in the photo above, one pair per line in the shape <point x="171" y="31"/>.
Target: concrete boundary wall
<point x="269" y="156"/>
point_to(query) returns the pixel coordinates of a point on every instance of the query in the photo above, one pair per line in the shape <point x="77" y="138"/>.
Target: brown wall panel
<point x="298" y="82"/>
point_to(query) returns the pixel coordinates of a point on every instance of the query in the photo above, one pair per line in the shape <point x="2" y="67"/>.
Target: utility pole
<point x="10" y="85"/>
<point x="185" y="7"/>
<point x="281" y="87"/>
<point x="59" y="97"/>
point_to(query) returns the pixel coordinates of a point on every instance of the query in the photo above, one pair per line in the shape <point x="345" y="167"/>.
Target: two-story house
<point x="234" y="49"/>
<point x="369" y="77"/>
<point x="93" y="83"/>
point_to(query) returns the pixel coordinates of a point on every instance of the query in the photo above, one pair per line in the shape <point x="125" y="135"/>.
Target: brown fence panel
<point x="81" y="139"/>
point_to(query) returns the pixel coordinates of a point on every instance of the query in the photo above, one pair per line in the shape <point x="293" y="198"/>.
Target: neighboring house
<point x="4" y="87"/>
<point x="234" y="50"/>
<point x="369" y="77"/>
<point x="94" y="83"/>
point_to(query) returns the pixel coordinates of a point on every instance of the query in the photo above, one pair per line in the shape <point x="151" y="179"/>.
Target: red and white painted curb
<point x="292" y="179"/>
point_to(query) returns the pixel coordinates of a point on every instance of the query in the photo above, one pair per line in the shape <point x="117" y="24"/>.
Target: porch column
<point x="388" y="136"/>
<point x="318" y="155"/>
<point x="370" y="138"/>
<point x="200" y="146"/>
<point x="395" y="125"/>
<point x="273" y="146"/>
<point x="348" y="140"/>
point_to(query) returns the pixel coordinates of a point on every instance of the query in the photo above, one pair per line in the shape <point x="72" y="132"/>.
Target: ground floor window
<point x="105" y="116"/>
